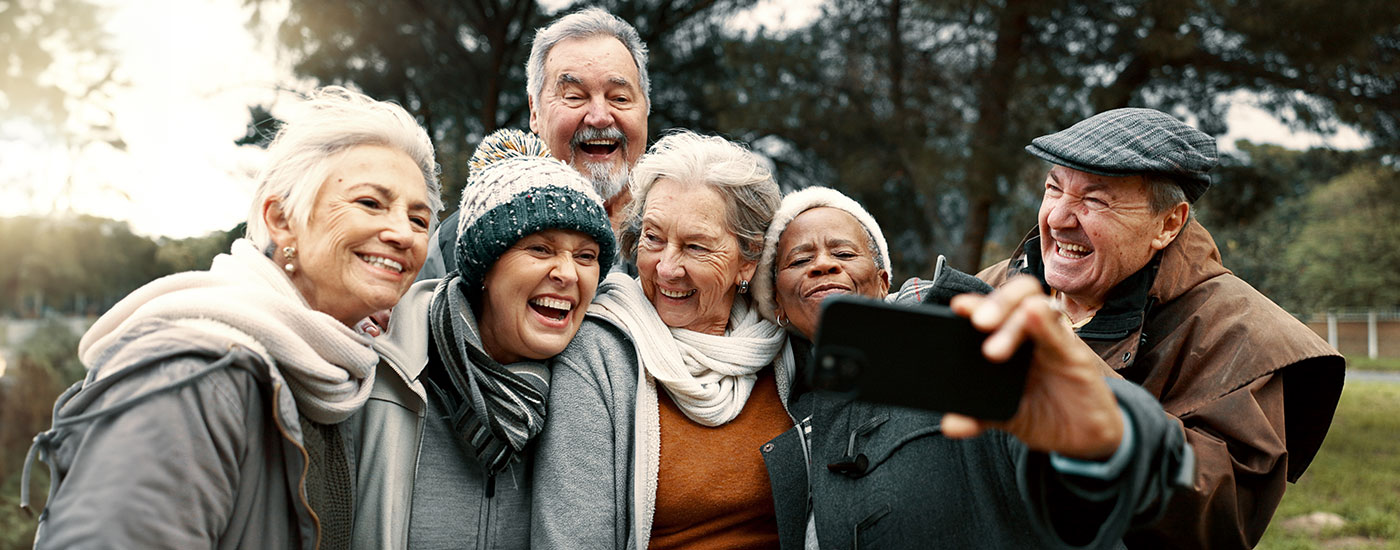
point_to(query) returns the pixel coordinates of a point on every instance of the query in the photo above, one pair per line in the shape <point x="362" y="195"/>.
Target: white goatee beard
<point x="607" y="180"/>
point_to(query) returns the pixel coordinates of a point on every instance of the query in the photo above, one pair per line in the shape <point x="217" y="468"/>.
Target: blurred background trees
<point x="919" y="108"/>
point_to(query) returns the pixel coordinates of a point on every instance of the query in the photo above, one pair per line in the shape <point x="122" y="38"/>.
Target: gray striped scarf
<point x="495" y="410"/>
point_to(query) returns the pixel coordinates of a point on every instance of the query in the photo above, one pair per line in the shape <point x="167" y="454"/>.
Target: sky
<point x="191" y="68"/>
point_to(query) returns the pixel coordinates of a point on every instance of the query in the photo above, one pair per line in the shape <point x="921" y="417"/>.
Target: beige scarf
<point x="709" y="377"/>
<point x="329" y="367"/>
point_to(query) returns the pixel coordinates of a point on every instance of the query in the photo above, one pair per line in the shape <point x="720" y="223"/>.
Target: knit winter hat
<point x="793" y="205"/>
<point x="515" y="189"/>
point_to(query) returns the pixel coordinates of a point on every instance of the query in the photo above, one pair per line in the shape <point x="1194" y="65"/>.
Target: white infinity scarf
<point x="709" y="377"/>
<point x="329" y="367"/>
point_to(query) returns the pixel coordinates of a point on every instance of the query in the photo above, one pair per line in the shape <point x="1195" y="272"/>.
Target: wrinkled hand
<point x="375" y="324"/>
<point x="1067" y="407"/>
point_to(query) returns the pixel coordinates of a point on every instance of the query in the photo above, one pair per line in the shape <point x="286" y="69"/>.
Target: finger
<point x="965" y="304"/>
<point x="957" y="426"/>
<point x="1002" y="344"/>
<point x="1002" y="302"/>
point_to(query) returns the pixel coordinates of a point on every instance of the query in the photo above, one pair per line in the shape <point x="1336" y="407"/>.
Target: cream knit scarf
<point x="708" y="376"/>
<point x="329" y="367"/>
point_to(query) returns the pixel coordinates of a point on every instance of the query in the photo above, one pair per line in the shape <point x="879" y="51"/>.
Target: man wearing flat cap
<point x="1119" y="254"/>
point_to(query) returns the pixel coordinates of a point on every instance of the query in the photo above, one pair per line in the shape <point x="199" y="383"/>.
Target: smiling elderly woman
<point x="209" y="415"/>
<point x="461" y="391"/>
<point x="683" y="346"/>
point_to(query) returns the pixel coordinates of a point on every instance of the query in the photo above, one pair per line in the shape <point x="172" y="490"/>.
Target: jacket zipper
<point x="483" y="532"/>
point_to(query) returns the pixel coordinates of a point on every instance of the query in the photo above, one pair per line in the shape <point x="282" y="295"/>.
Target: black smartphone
<point x="916" y="355"/>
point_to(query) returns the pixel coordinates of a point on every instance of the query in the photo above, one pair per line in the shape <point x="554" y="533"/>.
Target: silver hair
<point x="1163" y="192"/>
<point x="743" y="181"/>
<point x="335" y="119"/>
<point x="585" y="23"/>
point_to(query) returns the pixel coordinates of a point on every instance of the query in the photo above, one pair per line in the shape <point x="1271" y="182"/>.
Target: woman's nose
<point x="565" y="272"/>
<point x="670" y="266"/>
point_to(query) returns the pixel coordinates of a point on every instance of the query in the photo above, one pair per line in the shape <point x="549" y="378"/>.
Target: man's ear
<point x="279" y="226"/>
<point x="1172" y="223"/>
<point x="884" y="282"/>
<point x="534" y="117"/>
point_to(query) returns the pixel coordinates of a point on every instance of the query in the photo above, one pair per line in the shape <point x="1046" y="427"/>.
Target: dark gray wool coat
<point x="918" y="489"/>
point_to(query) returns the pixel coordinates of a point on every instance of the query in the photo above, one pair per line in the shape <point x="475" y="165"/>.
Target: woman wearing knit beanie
<point x="898" y="477"/>
<point x="445" y="442"/>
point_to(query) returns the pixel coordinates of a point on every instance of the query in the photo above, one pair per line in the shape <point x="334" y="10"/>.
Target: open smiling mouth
<point x="676" y="294"/>
<point x="551" y="308"/>
<point x="382" y="262"/>
<point x="602" y="146"/>
<point x="1072" y="251"/>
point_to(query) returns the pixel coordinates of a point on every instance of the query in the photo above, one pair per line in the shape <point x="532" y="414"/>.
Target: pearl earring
<point x="289" y="252"/>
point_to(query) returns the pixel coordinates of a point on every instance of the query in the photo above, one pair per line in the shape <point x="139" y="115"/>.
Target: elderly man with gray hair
<point x="589" y="99"/>
<point x="1141" y="282"/>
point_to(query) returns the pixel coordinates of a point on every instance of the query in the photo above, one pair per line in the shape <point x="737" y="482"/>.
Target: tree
<point x="1257" y="209"/>
<point x="55" y="76"/>
<point x="1348" y="251"/>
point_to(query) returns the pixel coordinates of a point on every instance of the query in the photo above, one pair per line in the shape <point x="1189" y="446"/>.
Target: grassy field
<point x="1356" y="476"/>
<point x="1388" y="364"/>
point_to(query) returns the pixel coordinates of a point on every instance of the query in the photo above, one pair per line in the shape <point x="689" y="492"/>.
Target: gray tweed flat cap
<point x="1126" y="142"/>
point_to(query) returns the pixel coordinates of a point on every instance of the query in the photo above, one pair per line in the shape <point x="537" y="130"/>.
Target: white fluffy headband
<point x="794" y="204"/>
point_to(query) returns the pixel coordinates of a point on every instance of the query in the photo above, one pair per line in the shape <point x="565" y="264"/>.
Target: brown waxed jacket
<point x="1253" y="387"/>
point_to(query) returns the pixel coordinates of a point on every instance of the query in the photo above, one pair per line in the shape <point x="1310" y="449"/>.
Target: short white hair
<point x="741" y="177"/>
<point x="332" y="121"/>
<point x="585" y="23"/>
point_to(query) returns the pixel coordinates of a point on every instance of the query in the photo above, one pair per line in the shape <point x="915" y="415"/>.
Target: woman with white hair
<point x="681" y="350"/>
<point x="210" y="416"/>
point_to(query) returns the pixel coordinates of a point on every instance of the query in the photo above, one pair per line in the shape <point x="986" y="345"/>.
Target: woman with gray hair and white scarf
<point x="210" y="415"/>
<point x="683" y="352"/>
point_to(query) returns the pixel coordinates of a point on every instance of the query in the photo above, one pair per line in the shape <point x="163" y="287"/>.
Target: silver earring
<point x="744" y="286"/>
<point x="782" y="322"/>
<point x="290" y="253"/>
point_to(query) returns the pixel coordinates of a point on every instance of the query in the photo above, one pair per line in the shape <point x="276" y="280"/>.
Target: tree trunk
<point x="988" y="135"/>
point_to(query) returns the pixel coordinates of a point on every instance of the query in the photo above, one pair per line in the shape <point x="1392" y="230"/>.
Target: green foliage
<point x="1347" y="254"/>
<point x="32" y="34"/>
<point x="1256" y="211"/>
<point x="47" y="363"/>
<point x="83" y="265"/>
<point x="1385" y="364"/>
<point x="1356" y="474"/>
